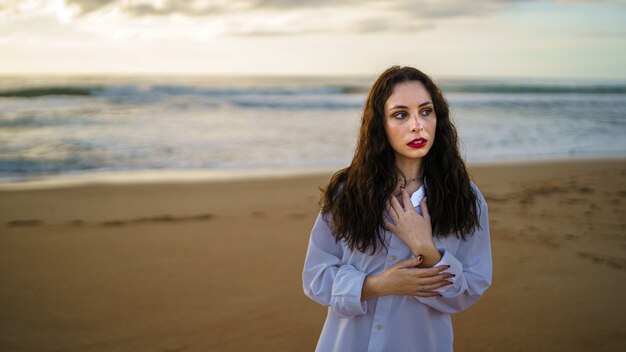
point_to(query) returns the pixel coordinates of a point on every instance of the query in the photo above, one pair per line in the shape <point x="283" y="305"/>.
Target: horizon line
<point x="297" y="74"/>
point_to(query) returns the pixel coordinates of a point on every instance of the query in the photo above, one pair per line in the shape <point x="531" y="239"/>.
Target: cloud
<point x="420" y="8"/>
<point x="193" y="8"/>
<point x="272" y="17"/>
<point x="169" y="8"/>
<point x="87" y="6"/>
<point x="294" y="17"/>
<point x="204" y="7"/>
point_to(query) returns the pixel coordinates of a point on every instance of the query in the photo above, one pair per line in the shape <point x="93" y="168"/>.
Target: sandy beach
<point x="216" y="265"/>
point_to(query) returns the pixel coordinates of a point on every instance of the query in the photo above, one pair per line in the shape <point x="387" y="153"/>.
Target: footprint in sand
<point x="24" y="223"/>
<point x="614" y="262"/>
<point x="297" y="215"/>
<point x="113" y="223"/>
<point x="75" y="222"/>
<point x="157" y="219"/>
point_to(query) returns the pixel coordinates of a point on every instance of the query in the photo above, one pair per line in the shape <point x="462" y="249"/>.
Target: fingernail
<point x="452" y="275"/>
<point x="449" y="283"/>
<point x="447" y="266"/>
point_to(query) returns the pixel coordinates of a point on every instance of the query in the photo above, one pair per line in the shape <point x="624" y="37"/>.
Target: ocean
<point x="75" y="125"/>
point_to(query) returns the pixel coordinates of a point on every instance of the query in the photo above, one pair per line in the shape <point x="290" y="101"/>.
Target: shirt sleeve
<point x="471" y="265"/>
<point x="326" y="280"/>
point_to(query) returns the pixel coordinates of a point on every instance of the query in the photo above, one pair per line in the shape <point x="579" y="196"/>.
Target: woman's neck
<point x="412" y="180"/>
<point x="410" y="168"/>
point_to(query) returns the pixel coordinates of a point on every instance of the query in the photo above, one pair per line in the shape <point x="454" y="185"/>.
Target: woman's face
<point x="410" y="120"/>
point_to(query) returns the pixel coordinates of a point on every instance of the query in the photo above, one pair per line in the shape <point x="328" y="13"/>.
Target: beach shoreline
<point x="155" y="177"/>
<point x="173" y="176"/>
<point x="214" y="263"/>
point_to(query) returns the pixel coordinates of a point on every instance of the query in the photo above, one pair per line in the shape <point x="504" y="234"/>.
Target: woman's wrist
<point x="372" y="287"/>
<point x="420" y="248"/>
<point x="429" y="252"/>
<point x="431" y="258"/>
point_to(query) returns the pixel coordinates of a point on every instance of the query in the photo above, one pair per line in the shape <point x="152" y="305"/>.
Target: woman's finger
<point x="434" y="279"/>
<point x="428" y="272"/>
<point x="396" y="205"/>
<point x="408" y="263"/>
<point x="407" y="199"/>
<point x="424" y="206"/>
<point x="427" y="294"/>
<point x="435" y="286"/>
<point x="391" y="211"/>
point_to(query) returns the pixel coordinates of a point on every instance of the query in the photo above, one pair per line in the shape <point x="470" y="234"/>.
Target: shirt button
<point x="393" y="257"/>
<point x="379" y="327"/>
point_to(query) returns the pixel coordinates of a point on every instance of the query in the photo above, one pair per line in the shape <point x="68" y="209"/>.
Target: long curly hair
<point x="356" y="195"/>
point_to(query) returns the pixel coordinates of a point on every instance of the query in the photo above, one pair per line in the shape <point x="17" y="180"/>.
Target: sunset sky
<point x="577" y="39"/>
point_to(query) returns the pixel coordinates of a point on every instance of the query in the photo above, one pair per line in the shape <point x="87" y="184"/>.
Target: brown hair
<point x="355" y="197"/>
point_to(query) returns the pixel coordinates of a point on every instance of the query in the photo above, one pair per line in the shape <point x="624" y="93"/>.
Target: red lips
<point x="417" y="143"/>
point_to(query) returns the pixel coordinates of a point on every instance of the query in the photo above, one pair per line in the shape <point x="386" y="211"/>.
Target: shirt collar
<point x="417" y="196"/>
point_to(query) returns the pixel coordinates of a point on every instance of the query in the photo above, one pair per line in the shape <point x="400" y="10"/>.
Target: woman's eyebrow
<point x="405" y="107"/>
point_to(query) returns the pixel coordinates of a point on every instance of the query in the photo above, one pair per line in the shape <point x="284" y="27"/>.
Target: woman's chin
<point x="415" y="154"/>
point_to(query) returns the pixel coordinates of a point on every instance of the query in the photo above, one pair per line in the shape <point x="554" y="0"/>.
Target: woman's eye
<point x="399" y="115"/>
<point x="426" y="112"/>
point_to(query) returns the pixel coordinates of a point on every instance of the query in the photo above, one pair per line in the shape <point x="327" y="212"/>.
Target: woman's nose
<point x="416" y="125"/>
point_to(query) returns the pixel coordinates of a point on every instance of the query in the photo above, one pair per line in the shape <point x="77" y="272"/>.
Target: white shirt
<point x="333" y="276"/>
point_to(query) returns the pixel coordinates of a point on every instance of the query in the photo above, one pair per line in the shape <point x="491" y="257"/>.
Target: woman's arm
<point x="471" y="265"/>
<point x="326" y="280"/>
<point x="345" y="289"/>
<point x="404" y="278"/>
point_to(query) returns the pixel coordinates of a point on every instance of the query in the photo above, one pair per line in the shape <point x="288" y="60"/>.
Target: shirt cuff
<point x="455" y="268"/>
<point x="346" y="293"/>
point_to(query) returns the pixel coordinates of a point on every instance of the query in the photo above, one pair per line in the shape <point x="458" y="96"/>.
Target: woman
<point x="391" y="263"/>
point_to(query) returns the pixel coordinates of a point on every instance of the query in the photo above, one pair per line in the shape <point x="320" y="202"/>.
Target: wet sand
<point x="215" y="265"/>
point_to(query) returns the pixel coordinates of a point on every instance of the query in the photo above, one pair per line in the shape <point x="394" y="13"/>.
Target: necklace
<point x="407" y="181"/>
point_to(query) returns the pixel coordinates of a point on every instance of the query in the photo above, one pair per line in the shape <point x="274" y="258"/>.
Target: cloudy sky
<point x="538" y="38"/>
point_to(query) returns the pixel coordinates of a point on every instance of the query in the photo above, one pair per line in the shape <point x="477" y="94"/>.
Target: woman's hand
<point x="404" y="278"/>
<point x="413" y="229"/>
